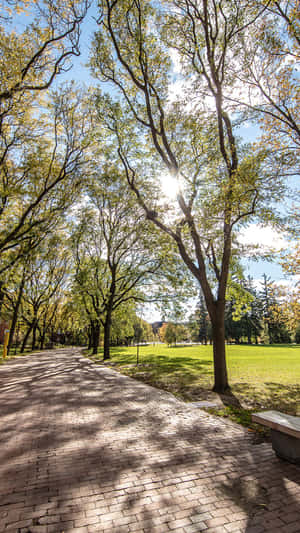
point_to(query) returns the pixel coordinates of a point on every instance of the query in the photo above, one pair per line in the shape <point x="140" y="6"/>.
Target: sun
<point x="169" y="185"/>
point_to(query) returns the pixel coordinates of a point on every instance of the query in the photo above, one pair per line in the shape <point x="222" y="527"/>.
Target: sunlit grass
<point x="261" y="377"/>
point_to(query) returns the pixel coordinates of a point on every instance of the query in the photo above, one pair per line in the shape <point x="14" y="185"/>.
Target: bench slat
<point x="279" y="421"/>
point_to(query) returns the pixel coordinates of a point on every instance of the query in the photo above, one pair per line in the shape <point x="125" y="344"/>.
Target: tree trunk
<point x="249" y="331"/>
<point x="42" y="339"/>
<point x="107" y="326"/>
<point x="90" y="336"/>
<point x="96" y="337"/>
<point x="270" y="333"/>
<point x="17" y="338"/>
<point x="2" y="294"/>
<point x="43" y="332"/>
<point x="34" y="336"/>
<point x="220" y="370"/>
<point x="26" y="338"/>
<point x="16" y="312"/>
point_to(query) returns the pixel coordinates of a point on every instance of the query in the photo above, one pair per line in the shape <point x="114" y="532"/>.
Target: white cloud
<point x="287" y="288"/>
<point x="175" y="58"/>
<point x="289" y="283"/>
<point x="266" y="237"/>
<point x="178" y="89"/>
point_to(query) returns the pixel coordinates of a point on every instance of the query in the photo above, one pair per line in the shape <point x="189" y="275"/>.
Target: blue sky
<point x="80" y="72"/>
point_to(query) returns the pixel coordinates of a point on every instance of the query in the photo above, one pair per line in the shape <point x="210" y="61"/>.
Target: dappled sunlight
<point x="269" y="395"/>
<point x="261" y="376"/>
<point x="85" y="446"/>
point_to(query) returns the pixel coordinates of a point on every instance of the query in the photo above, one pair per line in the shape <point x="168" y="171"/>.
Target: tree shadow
<point x="84" y="446"/>
<point x="278" y="396"/>
<point x="184" y="376"/>
<point x="230" y="399"/>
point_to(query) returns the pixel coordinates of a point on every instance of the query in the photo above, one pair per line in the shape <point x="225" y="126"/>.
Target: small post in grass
<point x="139" y="331"/>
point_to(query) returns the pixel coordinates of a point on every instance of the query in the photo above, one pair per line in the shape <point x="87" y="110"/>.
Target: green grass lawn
<point x="261" y="377"/>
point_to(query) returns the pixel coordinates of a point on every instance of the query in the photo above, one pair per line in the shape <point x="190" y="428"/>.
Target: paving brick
<point x="91" y="451"/>
<point x="79" y="530"/>
<point x="50" y="519"/>
<point x="200" y="517"/>
<point x="63" y="526"/>
<point x="20" y="524"/>
<point x="35" y="529"/>
<point x="213" y="522"/>
<point x="174" y="524"/>
<point x="290" y="517"/>
<point x="195" y="528"/>
<point x="124" y="520"/>
<point x="292" y="528"/>
<point x="215" y="529"/>
<point x="255" y="529"/>
<point x="239" y="525"/>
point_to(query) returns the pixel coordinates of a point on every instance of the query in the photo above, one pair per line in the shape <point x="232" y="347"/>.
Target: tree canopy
<point x="182" y="79"/>
<point x="222" y="182"/>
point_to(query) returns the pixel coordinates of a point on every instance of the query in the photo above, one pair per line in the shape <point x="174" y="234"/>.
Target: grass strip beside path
<point x="261" y="377"/>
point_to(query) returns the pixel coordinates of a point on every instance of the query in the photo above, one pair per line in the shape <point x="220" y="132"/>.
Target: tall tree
<point x="12" y="297"/>
<point x="268" y="301"/>
<point x="253" y="316"/>
<point x="47" y="271"/>
<point x="114" y="259"/>
<point x="42" y="177"/>
<point x="37" y="147"/>
<point x="273" y="312"/>
<point x="221" y="182"/>
<point x="16" y="307"/>
<point x="290" y="303"/>
<point x="172" y="333"/>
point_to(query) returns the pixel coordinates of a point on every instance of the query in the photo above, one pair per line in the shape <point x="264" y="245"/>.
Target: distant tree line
<point x="268" y="317"/>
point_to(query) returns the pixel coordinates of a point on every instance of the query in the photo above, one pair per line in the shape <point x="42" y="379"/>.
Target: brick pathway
<point x="85" y="449"/>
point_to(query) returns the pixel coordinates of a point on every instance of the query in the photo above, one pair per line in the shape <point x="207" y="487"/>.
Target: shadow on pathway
<point x="86" y="449"/>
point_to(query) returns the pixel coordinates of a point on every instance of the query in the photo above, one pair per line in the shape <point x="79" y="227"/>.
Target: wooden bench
<point x="285" y="433"/>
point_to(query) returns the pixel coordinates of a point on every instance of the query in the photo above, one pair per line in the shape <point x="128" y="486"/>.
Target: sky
<point x="256" y="234"/>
